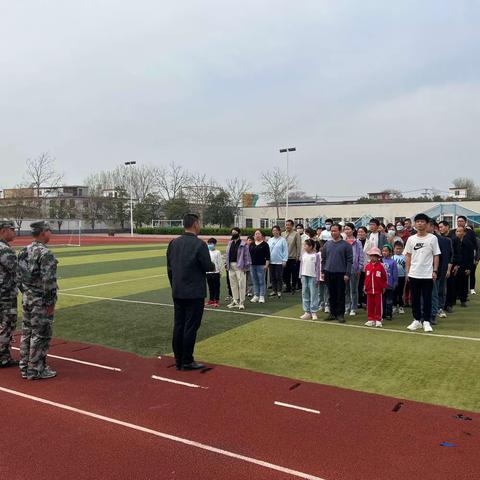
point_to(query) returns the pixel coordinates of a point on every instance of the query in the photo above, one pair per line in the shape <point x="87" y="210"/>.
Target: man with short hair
<point x="408" y="226"/>
<point x="422" y="255"/>
<point x="375" y="238"/>
<point x="337" y="260"/>
<point x="38" y="275"/>
<point x="463" y="260"/>
<point x="8" y="292"/>
<point x="326" y="234"/>
<point x="294" y="242"/>
<point x="188" y="261"/>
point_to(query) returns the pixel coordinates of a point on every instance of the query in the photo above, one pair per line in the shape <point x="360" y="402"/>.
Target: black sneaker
<point x="464" y="305"/>
<point x="8" y="363"/>
<point x="272" y="294"/>
<point x="341" y="319"/>
<point x="449" y="310"/>
<point x="330" y="318"/>
<point x="193" y="366"/>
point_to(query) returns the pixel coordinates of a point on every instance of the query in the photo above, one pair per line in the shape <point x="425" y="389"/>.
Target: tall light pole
<point x="287" y="151"/>
<point x="131" y="164"/>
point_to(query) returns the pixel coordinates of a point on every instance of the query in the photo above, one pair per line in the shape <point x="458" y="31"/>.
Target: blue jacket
<point x="392" y="272"/>
<point x="278" y="250"/>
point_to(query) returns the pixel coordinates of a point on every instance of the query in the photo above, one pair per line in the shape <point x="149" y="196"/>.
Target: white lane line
<point x="177" y="382"/>
<point x="74" y="360"/>
<point x="166" y="436"/>
<point x="296" y="407"/>
<point x="112" y="283"/>
<point x="280" y="317"/>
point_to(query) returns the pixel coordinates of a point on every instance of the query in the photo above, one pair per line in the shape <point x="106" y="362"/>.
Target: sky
<point x="373" y="94"/>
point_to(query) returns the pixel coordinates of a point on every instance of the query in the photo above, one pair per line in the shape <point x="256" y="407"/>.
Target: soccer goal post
<point x="66" y="233"/>
<point x="167" y="223"/>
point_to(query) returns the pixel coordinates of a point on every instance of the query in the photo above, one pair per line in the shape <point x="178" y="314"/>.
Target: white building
<point x="458" y="192"/>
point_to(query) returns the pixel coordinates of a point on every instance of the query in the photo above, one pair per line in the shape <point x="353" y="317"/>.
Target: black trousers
<point x="421" y="293"/>
<point x="461" y="282"/>
<point x="451" y="297"/>
<point x="213" y="280"/>
<point x="398" y="293"/>
<point x="336" y="293"/>
<point x="362" y="298"/>
<point x="229" y="287"/>
<point x="276" y="277"/>
<point x="473" y="277"/>
<point x="290" y="274"/>
<point x="388" y="303"/>
<point x="187" y="319"/>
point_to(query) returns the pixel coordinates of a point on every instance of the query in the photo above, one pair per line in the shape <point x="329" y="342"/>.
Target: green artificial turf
<point x="433" y="369"/>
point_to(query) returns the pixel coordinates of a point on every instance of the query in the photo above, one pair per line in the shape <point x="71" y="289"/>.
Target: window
<point x="298" y="220"/>
<point x="264" y="223"/>
<point x="457" y="193"/>
<point x="249" y="223"/>
<point x="72" y="203"/>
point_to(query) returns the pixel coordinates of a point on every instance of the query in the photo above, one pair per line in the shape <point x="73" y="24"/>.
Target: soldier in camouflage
<point x="8" y="292"/>
<point x="38" y="273"/>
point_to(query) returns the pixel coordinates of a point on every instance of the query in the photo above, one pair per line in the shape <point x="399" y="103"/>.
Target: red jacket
<point x="375" y="278"/>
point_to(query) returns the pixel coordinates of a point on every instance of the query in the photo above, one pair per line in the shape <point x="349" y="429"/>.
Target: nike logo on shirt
<point x="418" y="246"/>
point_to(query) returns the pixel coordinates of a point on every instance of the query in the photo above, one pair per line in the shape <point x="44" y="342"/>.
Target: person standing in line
<point x="392" y="236"/>
<point x="188" y="261"/>
<point x="8" y="293"/>
<point x="375" y="238"/>
<point x="326" y="235"/>
<point x="213" y="278"/>
<point x="310" y="272"/>
<point x="312" y="236"/>
<point x="375" y="285"/>
<point x="323" y="287"/>
<point x="402" y="232"/>
<point x="351" y="299"/>
<point x="399" y="258"/>
<point x="362" y="238"/>
<point x="422" y="255"/>
<point x="290" y="272"/>
<point x="409" y="227"/>
<point x="238" y="262"/>
<point x="249" y="283"/>
<point x="303" y="236"/>
<point x="38" y="276"/>
<point x="392" y="281"/>
<point x="444" y="229"/>
<point x="473" y="276"/>
<point x="337" y="266"/>
<point x="278" y="259"/>
<point x="444" y="271"/>
<point x="260" y="255"/>
<point x="463" y="260"/>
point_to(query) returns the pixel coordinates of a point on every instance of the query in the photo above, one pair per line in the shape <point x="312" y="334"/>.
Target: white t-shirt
<point x="309" y="261"/>
<point x="325" y="236"/>
<point x="373" y="238"/>
<point x="422" y="251"/>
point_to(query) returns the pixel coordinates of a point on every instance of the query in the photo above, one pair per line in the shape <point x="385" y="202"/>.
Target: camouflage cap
<point x="4" y="223"/>
<point x="39" y="227"/>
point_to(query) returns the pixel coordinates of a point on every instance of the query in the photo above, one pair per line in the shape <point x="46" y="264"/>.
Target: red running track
<point x="355" y="435"/>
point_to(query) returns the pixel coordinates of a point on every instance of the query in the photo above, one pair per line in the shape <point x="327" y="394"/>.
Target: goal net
<point x="167" y="223"/>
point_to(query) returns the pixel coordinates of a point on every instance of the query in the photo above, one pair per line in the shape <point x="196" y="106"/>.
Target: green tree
<point x="176" y="208"/>
<point x="146" y="211"/>
<point x="220" y="210"/>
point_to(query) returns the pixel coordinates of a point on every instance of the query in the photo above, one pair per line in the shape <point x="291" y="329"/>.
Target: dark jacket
<point x="446" y="247"/>
<point x="337" y="257"/>
<point x="188" y="260"/>
<point x="463" y="254"/>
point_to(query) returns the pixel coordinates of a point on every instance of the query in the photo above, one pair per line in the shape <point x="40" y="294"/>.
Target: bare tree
<point x="199" y="190"/>
<point x="20" y="205"/>
<point x="275" y="184"/>
<point x="236" y="188"/>
<point x="170" y="181"/>
<point x="41" y="172"/>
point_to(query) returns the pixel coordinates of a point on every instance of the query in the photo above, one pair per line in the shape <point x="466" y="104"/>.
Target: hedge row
<point x="205" y="231"/>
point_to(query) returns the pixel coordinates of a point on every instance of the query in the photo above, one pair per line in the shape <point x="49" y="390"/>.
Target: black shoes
<point x="8" y="363"/>
<point x="341" y="319"/>
<point x="449" y="310"/>
<point x="464" y="305"/>
<point x="192" y="366"/>
<point x="330" y="318"/>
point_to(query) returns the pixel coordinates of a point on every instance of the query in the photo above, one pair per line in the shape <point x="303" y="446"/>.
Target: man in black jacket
<point x="463" y="260"/>
<point x="188" y="261"/>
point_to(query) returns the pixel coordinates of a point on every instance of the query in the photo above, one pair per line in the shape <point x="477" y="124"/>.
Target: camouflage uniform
<point x="38" y="273"/>
<point x="8" y="297"/>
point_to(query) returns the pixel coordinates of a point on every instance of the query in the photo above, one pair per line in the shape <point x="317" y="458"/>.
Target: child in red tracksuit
<point x="375" y="285"/>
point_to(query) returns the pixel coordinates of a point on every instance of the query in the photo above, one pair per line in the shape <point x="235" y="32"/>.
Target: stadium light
<point x="131" y="164"/>
<point x="287" y="151"/>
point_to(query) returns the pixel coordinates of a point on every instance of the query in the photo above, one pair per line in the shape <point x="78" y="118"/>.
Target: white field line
<point x="296" y="407"/>
<point x="111" y="283"/>
<point x="74" y="360"/>
<point x="177" y="382"/>
<point x="280" y="317"/>
<point x="165" y="436"/>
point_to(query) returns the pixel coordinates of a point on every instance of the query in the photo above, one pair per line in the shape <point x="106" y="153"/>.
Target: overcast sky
<point x="373" y="94"/>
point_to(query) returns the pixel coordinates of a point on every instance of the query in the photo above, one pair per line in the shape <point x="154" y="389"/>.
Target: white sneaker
<point x="352" y="313"/>
<point x="232" y="305"/>
<point x="473" y="292"/>
<point x="254" y="299"/>
<point x="378" y="324"/>
<point x="415" y="325"/>
<point x="306" y="316"/>
<point x="327" y="309"/>
<point x="427" y="327"/>
<point x="370" y="323"/>
<point x="394" y="311"/>
<point x="241" y="306"/>
<point x="261" y="299"/>
<point x="314" y="316"/>
<point x="442" y="314"/>
<point x="401" y="310"/>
